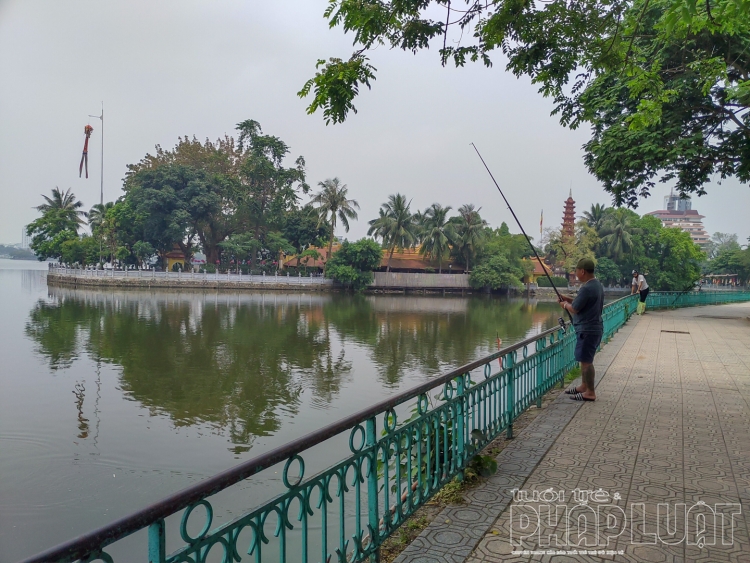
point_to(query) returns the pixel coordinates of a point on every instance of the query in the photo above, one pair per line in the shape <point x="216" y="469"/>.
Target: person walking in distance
<point x="586" y="309"/>
<point x="640" y="285"/>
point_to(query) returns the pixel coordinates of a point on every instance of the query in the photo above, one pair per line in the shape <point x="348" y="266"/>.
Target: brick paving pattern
<point x="670" y="427"/>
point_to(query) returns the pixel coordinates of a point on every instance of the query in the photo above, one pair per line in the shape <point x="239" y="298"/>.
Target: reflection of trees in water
<point x="55" y="330"/>
<point x="231" y="366"/>
<point x="239" y="363"/>
<point x="430" y="333"/>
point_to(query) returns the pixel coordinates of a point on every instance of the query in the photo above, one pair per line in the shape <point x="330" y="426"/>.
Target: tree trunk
<point x="388" y="265"/>
<point x="330" y="245"/>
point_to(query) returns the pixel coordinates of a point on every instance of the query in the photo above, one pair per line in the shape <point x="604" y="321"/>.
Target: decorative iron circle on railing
<point x="285" y="474"/>
<point x="227" y="556"/>
<point x="422" y="403"/>
<point x="186" y="516"/>
<point x="487" y="370"/>
<point x="389" y="420"/>
<point x="98" y="556"/>
<point x="357" y="430"/>
<point x="525" y="351"/>
<point x="467" y="380"/>
<point x="448" y="390"/>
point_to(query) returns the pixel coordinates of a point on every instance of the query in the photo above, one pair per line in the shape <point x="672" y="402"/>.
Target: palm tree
<point x="597" y="215"/>
<point x="97" y="214"/>
<point x="617" y="232"/>
<point x="437" y="233"/>
<point x="394" y="225"/>
<point x="331" y="200"/>
<point x="65" y="206"/>
<point x="420" y="221"/>
<point x="469" y="231"/>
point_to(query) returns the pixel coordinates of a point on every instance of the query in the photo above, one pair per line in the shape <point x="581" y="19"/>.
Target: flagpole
<point x="101" y="189"/>
<point x="101" y="185"/>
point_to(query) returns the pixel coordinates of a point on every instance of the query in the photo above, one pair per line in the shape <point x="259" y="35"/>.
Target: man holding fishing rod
<point x="586" y="309"/>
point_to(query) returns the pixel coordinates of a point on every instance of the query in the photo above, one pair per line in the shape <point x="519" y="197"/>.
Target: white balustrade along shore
<point x="59" y="275"/>
<point x="152" y="279"/>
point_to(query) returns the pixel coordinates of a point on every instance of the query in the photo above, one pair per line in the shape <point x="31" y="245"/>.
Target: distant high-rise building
<point x="678" y="213"/>
<point x="676" y="203"/>
<point x="569" y="217"/>
<point x="25" y="239"/>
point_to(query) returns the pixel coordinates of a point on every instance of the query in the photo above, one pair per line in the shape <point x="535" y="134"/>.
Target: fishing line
<point x="561" y="321"/>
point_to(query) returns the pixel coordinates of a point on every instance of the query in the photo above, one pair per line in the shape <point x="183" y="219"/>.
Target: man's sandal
<point x="580" y="397"/>
<point x="571" y="391"/>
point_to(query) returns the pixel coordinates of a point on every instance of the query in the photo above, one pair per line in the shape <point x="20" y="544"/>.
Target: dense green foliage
<point x="60" y="221"/>
<point x="493" y="257"/>
<point x="233" y="200"/>
<point x="621" y="241"/>
<point x="332" y="201"/>
<point x="353" y="263"/>
<point x="543" y="281"/>
<point x="663" y="83"/>
<point x="728" y="257"/>
<point x="396" y="226"/>
<point x="201" y="194"/>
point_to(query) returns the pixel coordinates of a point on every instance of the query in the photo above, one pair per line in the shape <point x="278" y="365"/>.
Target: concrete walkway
<point x="670" y="430"/>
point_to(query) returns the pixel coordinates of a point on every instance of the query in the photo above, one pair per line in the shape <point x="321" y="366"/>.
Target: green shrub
<point x="353" y="263"/>
<point x="559" y="282"/>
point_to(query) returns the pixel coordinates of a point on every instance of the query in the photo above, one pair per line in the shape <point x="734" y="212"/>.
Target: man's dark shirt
<point x="589" y="303"/>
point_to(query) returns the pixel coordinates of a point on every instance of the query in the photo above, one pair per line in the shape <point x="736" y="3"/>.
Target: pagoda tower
<point x="569" y="217"/>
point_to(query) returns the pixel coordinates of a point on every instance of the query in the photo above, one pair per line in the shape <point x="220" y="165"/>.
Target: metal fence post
<point x="157" y="551"/>
<point x="372" y="488"/>
<point x="511" y="394"/>
<point x="461" y="416"/>
<point x="540" y="346"/>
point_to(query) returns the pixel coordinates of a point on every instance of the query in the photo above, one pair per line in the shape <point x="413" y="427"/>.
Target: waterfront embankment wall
<point x="174" y="280"/>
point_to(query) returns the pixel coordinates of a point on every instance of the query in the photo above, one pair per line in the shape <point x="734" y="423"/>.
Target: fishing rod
<point x="544" y="269"/>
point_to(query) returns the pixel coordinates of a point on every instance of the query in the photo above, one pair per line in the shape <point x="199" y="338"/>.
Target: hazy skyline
<point x="173" y="68"/>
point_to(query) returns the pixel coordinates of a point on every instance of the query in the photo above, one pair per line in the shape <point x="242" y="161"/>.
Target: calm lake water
<point x="110" y="400"/>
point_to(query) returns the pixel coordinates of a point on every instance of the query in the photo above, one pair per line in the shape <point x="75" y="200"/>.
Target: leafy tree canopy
<point x="663" y="83"/>
<point x="354" y="263"/>
<point x="607" y="271"/>
<point x="60" y="220"/>
<point x="496" y="272"/>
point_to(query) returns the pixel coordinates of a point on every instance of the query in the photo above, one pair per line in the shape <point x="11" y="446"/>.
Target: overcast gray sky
<point x="171" y="68"/>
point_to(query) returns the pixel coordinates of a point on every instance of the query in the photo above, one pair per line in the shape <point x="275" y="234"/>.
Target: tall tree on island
<point x="331" y="204"/>
<point x="395" y="226"/>
<point x="61" y="218"/>
<point x="470" y="232"/>
<point x="437" y="233"/>
<point x="269" y="188"/>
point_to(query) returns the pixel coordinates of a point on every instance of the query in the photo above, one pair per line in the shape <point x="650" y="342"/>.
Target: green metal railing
<point x="674" y="299"/>
<point x="389" y="469"/>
